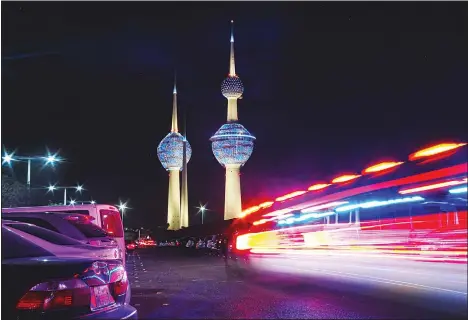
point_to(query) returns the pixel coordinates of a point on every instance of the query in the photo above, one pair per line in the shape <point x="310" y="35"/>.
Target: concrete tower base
<point x="173" y="204"/>
<point x="232" y="196"/>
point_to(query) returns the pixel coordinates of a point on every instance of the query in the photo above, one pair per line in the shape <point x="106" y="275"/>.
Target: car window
<point x="90" y="230"/>
<point x="47" y="235"/>
<point x="14" y="246"/>
<point x="36" y="221"/>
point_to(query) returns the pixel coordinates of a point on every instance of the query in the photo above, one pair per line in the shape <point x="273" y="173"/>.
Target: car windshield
<point x="14" y="246"/>
<point x="44" y="234"/>
<point x="90" y="230"/>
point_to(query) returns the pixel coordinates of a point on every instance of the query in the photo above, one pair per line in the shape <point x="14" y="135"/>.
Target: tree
<point x="14" y="193"/>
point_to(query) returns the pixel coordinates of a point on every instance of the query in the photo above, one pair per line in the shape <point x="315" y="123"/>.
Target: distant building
<point x="232" y="144"/>
<point x="173" y="151"/>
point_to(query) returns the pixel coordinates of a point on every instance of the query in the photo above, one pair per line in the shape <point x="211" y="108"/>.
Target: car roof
<point x="42" y="213"/>
<point x="63" y="207"/>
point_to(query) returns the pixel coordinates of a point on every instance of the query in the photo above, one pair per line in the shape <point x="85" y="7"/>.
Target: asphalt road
<point x="178" y="283"/>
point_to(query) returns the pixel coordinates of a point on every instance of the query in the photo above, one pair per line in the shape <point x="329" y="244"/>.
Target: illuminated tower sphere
<point x="232" y="144"/>
<point x="171" y="154"/>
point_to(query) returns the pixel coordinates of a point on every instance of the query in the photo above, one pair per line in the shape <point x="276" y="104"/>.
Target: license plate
<point x="100" y="297"/>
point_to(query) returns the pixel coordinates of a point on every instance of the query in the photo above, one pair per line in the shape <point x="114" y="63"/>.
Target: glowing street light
<point x="122" y="207"/>
<point x="202" y="209"/>
<point x="7" y="158"/>
<point x="50" y="159"/>
<point x="78" y="188"/>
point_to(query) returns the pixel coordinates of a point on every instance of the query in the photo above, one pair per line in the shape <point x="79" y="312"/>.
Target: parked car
<point x="105" y="216"/>
<point x="59" y="244"/>
<point x="43" y="284"/>
<point x="76" y="226"/>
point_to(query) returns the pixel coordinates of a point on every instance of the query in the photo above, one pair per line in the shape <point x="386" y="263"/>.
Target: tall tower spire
<point x="232" y="144"/>
<point x="171" y="152"/>
<point x="232" y="87"/>
<point x="232" y="62"/>
<point x="174" y="126"/>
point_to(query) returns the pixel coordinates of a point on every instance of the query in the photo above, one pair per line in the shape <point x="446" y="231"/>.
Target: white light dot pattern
<point x="170" y="151"/>
<point x="232" y="87"/>
<point x="232" y="144"/>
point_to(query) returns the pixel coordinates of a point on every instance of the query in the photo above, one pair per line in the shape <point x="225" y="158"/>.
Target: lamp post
<point x="78" y="188"/>
<point x="122" y="207"/>
<point x="8" y="158"/>
<point x="202" y="209"/>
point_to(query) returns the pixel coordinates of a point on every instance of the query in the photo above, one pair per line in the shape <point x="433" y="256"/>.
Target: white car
<point x="104" y="216"/>
<point x="59" y="244"/>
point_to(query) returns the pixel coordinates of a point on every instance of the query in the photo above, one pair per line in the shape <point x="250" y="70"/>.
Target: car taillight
<point x="101" y="285"/>
<point x="56" y="295"/>
<point x="120" y="287"/>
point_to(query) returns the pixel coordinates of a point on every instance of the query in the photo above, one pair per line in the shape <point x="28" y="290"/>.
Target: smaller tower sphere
<point x="232" y="144"/>
<point x="232" y="87"/>
<point x="170" y="151"/>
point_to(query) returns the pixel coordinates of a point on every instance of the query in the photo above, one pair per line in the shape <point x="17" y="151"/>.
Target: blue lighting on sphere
<point x="232" y="87"/>
<point x="232" y="144"/>
<point x="171" y="150"/>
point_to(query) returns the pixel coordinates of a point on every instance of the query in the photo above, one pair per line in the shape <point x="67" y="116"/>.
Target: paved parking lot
<point x="179" y="283"/>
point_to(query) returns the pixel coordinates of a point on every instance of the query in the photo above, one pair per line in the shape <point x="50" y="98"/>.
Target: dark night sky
<point x="330" y="88"/>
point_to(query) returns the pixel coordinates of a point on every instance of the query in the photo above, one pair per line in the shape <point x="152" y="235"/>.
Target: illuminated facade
<point x="171" y="155"/>
<point x="232" y="144"/>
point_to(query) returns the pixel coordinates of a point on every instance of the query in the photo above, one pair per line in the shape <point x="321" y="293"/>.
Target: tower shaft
<point x="232" y="110"/>
<point x="173" y="204"/>
<point x="184" y="216"/>
<point x="232" y="195"/>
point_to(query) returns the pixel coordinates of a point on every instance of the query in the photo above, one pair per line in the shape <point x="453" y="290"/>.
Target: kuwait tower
<point x="171" y="154"/>
<point x="232" y="144"/>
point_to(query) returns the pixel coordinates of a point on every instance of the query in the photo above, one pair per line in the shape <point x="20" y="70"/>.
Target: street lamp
<point x="122" y="207"/>
<point x="8" y="158"/>
<point x="78" y="188"/>
<point x="202" y="209"/>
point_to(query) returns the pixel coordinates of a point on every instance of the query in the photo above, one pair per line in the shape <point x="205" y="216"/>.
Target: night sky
<point x="329" y="88"/>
